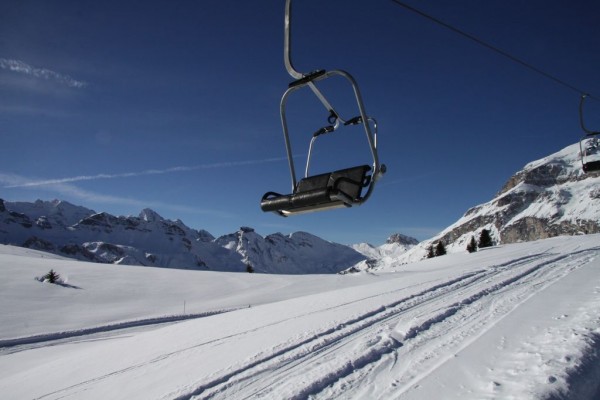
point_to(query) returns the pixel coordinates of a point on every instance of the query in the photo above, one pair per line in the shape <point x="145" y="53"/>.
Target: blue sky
<point x="174" y="106"/>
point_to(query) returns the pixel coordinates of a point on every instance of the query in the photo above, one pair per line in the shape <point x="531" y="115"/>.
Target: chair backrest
<point x="349" y="181"/>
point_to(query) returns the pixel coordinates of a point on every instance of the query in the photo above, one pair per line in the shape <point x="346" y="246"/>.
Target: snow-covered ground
<point x="517" y="321"/>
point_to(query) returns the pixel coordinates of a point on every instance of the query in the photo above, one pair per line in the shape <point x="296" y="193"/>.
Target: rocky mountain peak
<point x="149" y="215"/>
<point x="554" y="171"/>
<point x="549" y="197"/>
<point x="401" y="239"/>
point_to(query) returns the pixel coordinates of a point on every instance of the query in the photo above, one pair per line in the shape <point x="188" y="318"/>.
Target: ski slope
<point x="518" y="321"/>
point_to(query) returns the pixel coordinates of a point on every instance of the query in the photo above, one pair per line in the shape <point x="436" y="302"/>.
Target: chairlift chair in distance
<point x="340" y="188"/>
<point x="589" y="145"/>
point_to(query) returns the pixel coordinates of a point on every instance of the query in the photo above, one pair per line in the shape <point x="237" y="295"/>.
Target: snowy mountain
<point x="394" y="247"/>
<point x="299" y="252"/>
<point x="547" y="198"/>
<point x="150" y="240"/>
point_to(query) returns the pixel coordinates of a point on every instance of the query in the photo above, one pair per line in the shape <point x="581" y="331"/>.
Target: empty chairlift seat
<point x="336" y="189"/>
<point x="341" y="188"/>
<point x="591" y="166"/>
<point x="589" y="145"/>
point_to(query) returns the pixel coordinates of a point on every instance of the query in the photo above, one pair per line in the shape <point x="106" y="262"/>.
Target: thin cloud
<point x="69" y="191"/>
<point x="46" y="182"/>
<point x="42" y="73"/>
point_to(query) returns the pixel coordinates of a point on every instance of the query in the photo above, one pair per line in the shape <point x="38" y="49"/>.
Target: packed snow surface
<point x="518" y="321"/>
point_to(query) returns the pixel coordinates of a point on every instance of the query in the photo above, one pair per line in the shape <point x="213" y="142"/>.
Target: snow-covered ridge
<point x="150" y="240"/>
<point x="549" y="197"/>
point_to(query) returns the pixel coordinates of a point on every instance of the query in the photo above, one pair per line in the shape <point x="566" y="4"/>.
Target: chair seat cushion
<point x="334" y="189"/>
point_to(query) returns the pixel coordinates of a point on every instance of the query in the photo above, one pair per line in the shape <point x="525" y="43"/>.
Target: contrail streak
<point x="43" y="73"/>
<point x="70" y="191"/>
<point x="142" y="173"/>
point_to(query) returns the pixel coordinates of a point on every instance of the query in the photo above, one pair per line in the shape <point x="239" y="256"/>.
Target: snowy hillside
<point x="548" y="197"/>
<point x="150" y="240"/>
<point x="517" y="321"/>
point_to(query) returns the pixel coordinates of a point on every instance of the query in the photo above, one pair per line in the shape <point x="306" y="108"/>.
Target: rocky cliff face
<point x="548" y="197"/>
<point x="402" y="240"/>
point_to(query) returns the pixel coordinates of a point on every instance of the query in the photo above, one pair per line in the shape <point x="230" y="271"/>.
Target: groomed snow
<point x="517" y="321"/>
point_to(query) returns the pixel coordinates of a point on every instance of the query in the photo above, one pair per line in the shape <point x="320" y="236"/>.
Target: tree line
<point x="485" y="240"/>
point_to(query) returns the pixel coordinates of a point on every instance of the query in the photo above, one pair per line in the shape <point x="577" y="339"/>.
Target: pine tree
<point x="440" y="249"/>
<point x="485" y="240"/>
<point x="472" y="246"/>
<point x="51" y="277"/>
<point x="430" y="253"/>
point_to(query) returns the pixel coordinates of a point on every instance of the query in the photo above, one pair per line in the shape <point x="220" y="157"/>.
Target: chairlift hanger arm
<point x="587" y="131"/>
<point x="300" y="78"/>
<point x="287" y="45"/>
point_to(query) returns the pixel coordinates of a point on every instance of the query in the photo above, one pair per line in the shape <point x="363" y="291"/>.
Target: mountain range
<point x="148" y="239"/>
<point x="548" y="197"/>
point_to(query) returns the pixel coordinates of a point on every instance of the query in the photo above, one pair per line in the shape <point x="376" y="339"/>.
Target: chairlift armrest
<point x="354" y="121"/>
<point x="324" y="130"/>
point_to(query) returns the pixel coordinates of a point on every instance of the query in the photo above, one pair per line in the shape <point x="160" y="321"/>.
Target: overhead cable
<point x="494" y="48"/>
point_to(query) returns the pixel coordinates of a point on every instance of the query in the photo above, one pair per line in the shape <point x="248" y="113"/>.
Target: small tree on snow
<point x="51" y="277"/>
<point x="430" y="252"/>
<point x="485" y="240"/>
<point x="440" y="249"/>
<point x="472" y="246"/>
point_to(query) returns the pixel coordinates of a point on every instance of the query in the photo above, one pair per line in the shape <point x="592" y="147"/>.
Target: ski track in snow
<point x="461" y="323"/>
<point x="28" y="342"/>
<point x="372" y="341"/>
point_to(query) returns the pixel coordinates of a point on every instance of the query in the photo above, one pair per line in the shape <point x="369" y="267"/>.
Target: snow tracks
<point x="41" y="339"/>
<point x="410" y="337"/>
<point x="500" y="323"/>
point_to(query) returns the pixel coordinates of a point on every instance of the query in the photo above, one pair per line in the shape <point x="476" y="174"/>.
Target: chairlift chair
<point x="340" y="188"/>
<point x="589" y="145"/>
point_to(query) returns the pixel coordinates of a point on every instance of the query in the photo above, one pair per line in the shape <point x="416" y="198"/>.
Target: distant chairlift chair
<point x="589" y="145"/>
<point x="341" y="188"/>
